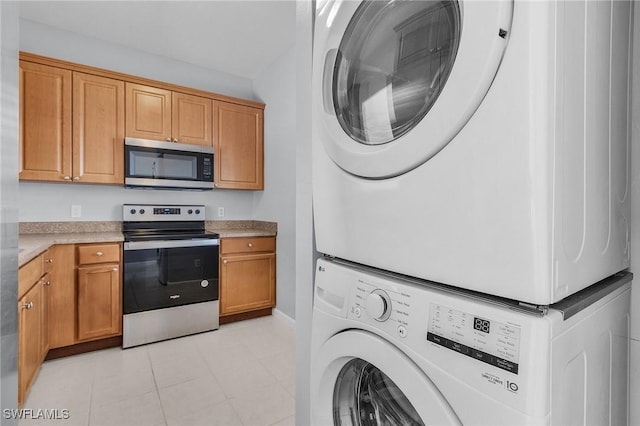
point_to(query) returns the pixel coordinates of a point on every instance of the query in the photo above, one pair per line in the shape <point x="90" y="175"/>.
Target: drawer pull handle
<point x="27" y="305"/>
<point x="47" y="283"/>
<point x="250" y="245"/>
<point x="115" y="269"/>
<point x="99" y="253"/>
<point x="49" y="260"/>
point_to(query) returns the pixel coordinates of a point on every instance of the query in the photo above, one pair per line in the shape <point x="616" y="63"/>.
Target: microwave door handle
<point x="145" y="245"/>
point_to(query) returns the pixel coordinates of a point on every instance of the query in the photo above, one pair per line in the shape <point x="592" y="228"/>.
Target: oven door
<point x="163" y="274"/>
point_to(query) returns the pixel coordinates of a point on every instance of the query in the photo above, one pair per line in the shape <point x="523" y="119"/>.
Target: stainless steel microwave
<point x="157" y="164"/>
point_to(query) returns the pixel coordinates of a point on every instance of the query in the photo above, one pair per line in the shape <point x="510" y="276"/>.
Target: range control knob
<point x="190" y="211"/>
<point x="197" y="211"/>
<point x="132" y="211"/>
<point x="141" y="211"/>
<point x="378" y="305"/>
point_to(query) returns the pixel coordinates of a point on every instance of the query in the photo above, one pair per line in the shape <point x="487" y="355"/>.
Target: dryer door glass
<point x="393" y="61"/>
<point x="364" y="395"/>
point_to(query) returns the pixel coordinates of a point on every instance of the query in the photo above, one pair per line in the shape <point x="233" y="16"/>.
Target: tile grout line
<point x="155" y="383"/>
<point x="93" y="383"/>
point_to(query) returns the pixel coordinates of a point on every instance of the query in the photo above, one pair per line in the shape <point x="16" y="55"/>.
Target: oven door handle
<point x="145" y="245"/>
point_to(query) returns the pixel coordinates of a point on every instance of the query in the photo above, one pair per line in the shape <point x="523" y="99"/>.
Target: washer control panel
<point x="486" y="340"/>
<point x="382" y="306"/>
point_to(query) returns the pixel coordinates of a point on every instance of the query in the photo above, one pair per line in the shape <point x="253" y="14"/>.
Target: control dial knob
<point x="378" y="305"/>
<point x="132" y="211"/>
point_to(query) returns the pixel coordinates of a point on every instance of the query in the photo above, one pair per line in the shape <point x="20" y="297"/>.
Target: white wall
<point x="635" y="224"/>
<point x="52" y="202"/>
<point x="49" y="41"/>
<point x="8" y="209"/>
<point x="276" y="88"/>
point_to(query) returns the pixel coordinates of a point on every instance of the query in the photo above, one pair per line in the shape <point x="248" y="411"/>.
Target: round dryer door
<point x="361" y="379"/>
<point x="395" y="81"/>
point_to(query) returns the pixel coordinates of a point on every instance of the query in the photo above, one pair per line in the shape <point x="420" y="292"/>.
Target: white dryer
<point x="388" y="351"/>
<point x="481" y="144"/>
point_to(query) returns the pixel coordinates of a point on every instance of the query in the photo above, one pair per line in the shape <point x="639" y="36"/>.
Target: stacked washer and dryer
<point x="471" y="201"/>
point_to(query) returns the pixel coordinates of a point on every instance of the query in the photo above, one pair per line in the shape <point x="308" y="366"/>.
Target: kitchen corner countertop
<point x="37" y="237"/>
<point x="31" y="245"/>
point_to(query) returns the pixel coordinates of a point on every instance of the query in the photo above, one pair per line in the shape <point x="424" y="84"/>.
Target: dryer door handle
<point x="327" y="81"/>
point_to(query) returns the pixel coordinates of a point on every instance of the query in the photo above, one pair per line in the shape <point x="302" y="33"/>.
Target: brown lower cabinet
<point x="99" y="302"/>
<point x="32" y="335"/>
<point x="69" y="295"/>
<point x="247" y="275"/>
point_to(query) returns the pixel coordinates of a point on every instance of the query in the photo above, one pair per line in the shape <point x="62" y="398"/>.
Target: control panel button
<point x="402" y="331"/>
<point x="357" y="311"/>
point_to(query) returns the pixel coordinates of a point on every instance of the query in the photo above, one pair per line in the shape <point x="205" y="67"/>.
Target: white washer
<point x="390" y="351"/>
<point x="469" y="142"/>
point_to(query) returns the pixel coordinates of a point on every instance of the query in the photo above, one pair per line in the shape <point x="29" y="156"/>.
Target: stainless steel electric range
<point x="170" y="273"/>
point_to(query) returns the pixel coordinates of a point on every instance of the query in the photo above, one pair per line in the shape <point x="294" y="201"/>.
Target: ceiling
<point x="240" y="37"/>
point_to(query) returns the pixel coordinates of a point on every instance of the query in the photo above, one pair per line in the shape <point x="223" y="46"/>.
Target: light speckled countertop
<point x="36" y="237"/>
<point x="31" y="245"/>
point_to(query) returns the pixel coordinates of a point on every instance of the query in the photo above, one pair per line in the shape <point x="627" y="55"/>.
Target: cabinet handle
<point x="67" y="178"/>
<point x="250" y="245"/>
<point x="28" y="305"/>
<point x="115" y="269"/>
<point x="224" y="261"/>
<point x="76" y="178"/>
<point x="98" y="253"/>
<point x="47" y="283"/>
<point x="168" y="139"/>
<point x="175" y="140"/>
<point x="48" y="260"/>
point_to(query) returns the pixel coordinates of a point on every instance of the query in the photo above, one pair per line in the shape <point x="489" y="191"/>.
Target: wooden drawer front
<point x="98" y="253"/>
<point x="247" y="245"/>
<point x="29" y="274"/>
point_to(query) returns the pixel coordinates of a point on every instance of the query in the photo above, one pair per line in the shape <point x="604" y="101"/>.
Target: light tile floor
<point x="241" y="375"/>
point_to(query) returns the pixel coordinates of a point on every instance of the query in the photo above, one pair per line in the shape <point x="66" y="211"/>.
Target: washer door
<point x="395" y="81"/>
<point x="361" y="379"/>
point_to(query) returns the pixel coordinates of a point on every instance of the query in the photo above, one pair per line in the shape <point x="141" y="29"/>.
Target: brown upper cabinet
<point x="159" y="114"/>
<point x="74" y="119"/>
<point x="45" y="122"/>
<point x="71" y="126"/>
<point x="238" y="146"/>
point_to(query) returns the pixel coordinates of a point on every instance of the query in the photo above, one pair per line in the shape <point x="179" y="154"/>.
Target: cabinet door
<point x="99" y="301"/>
<point x="238" y="146"/>
<point x="191" y="119"/>
<point x="98" y="129"/>
<point x="45" y="123"/>
<point x="62" y="295"/>
<point x="247" y="282"/>
<point x="45" y="284"/>
<point x="29" y="339"/>
<point x="148" y="112"/>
